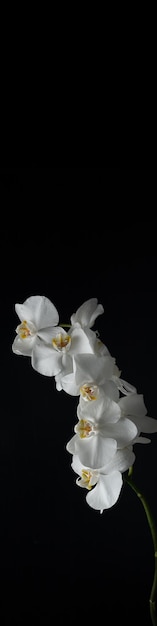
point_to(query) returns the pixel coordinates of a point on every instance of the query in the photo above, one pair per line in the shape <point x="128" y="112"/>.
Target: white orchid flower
<point x="85" y="317"/>
<point x="89" y="372"/>
<point x="54" y="356"/>
<point x="133" y="406"/>
<point x="100" y="431"/>
<point x="104" y="485"/>
<point x="35" y="314"/>
<point x="87" y="313"/>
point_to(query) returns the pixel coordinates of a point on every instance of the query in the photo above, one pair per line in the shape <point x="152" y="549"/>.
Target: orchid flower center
<point x="61" y="342"/>
<point x="89" y="391"/>
<point x="26" y="329"/>
<point x="84" y="428"/>
<point x="86" y="479"/>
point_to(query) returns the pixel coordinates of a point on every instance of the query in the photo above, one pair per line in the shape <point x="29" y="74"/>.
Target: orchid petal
<point x="77" y="465"/>
<point x="142" y="440"/>
<point x="45" y="360"/>
<point x="80" y="342"/>
<point x="106" y="492"/>
<point x="39" y="310"/>
<point x="95" y="451"/>
<point x="90" y="367"/>
<point x="68" y="384"/>
<point x="23" y="346"/>
<point x="133" y="404"/>
<point x="87" y="312"/>
<point x="122" y="460"/>
<point x="145" y="424"/>
<point x="49" y="333"/>
<point x="103" y="410"/>
<point x="71" y="445"/>
<point x="124" y="431"/>
<point x="111" y="390"/>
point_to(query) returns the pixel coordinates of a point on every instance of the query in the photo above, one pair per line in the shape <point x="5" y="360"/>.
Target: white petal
<point x="77" y="465"/>
<point x="38" y="309"/>
<point x="106" y="492"/>
<point x="68" y="384"/>
<point x="111" y="390"/>
<point x="124" y="431"/>
<point x="133" y="404"/>
<point x="58" y="383"/>
<point x="145" y="424"/>
<point x="45" y="360"/>
<point x="103" y="410"/>
<point x="142" y="440"/>
<point x="71" y="445"/>
<point x="98" y="311"/>
<point x="49" y="333"/>
<point x="93" y="340"/>
<point x="90" y="367"/>
<point x="23" y="346"/>
<point x="87" y="312"/>
<point x="80" y="342"/>
<point x="110" y="412"/>
<point x="95" y="451"/>
<point x="122" y="460"/>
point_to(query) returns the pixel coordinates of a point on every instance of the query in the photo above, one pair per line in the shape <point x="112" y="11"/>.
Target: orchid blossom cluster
<point x="111" y="415"/>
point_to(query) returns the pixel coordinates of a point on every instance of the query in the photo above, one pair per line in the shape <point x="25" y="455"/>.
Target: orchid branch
<point x="153" y="530"/>
<point x="111" y="414"/>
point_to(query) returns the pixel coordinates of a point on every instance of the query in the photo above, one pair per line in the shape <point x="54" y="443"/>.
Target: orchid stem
<point x="153" y="530"/>
<point x="65" y="325"/>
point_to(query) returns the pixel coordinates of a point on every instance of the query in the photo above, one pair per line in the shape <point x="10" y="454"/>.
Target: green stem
<point x="153" y="530"/>
<point x="65" y="325"/>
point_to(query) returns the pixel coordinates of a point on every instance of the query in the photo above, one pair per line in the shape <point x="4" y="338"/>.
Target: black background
<point x="72" y="234"/>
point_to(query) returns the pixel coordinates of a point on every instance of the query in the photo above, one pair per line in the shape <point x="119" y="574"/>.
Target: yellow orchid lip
<point x="61" y="342"/>
<point x="83" y="428"/>
<point x="25" y="329"/>
<point x="86" y="478"/>
<point x="89" y="391"/>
